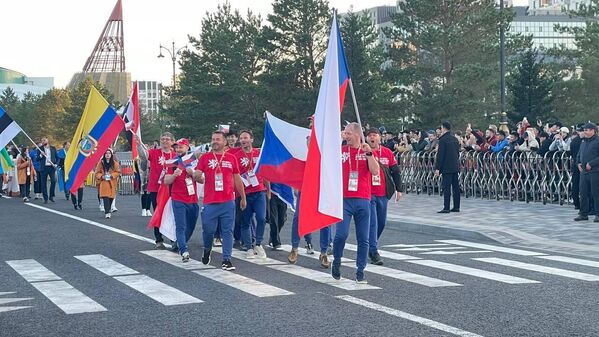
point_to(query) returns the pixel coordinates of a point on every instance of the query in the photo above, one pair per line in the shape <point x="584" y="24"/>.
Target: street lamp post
<point x="173" y="52"/>
<point x="502" y="58"/>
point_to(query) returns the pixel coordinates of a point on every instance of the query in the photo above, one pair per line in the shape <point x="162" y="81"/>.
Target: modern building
<point x="554" y="7"/>
<point x="21" y="84"/>
<point x="542" y="26"/>
<point x="149" y="93"/>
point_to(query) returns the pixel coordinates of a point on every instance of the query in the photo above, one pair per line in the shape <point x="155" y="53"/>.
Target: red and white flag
<point x="131" y="117"/>
<point x="321" y="202"/>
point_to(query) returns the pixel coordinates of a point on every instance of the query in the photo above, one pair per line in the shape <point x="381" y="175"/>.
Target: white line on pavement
<point x="227" y="278"/>
<point x="383" y="253"/>
<point x="32" y="271"/>
<point x="146" y="285"/>
<point x="410" y="317"/>
<point x="310" y="274"/>
<point x="572" y="260"/>
<point x="67" y="298"/>
<point x="420" y="249"/>
<point x="5" y="309"/>
<point x="301" y="252"/>
<point x="12" y="300"/>
<point x="492" y="247"/>
<point x="473" y="272"/>
<point x="442" y="252"/>
<point x="541" y="269"/>
<point x="402" y="245"/>
<point x="408" y="277"/>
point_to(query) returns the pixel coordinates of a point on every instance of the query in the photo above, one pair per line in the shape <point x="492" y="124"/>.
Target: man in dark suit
<point x="447" y="163"/>
<point x="47" y="160"/>
<point x="588" y="166"/>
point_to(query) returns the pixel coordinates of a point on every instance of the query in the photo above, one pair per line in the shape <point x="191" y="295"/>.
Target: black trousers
<point x="79" y="198"/>
<point x="589" y="193"/>
<point x="25" y="188"/>
<point x="37" y="183"/>
<point x="451" y="185"/>
<point x="48" y="171"/>
<point x="576" y="187"/>
<point x="107" y="204"/>
<point x="277" y="218"/>
<point x="146" y="201"/>
<point x="153" y="202"/>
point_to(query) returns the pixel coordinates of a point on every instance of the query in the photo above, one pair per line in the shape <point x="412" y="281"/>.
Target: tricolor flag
<point x="164" y="217"/>
<point x="321" y="203"/>
<point x="285" y="193"/>
<point x="98" y="128"/>
<point x="9" y="129"/>
<point x="131" y="117"/>
<point x="283" y="153"/>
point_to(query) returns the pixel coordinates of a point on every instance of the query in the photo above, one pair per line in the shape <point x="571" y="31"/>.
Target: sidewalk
<point x="534" y="225"/>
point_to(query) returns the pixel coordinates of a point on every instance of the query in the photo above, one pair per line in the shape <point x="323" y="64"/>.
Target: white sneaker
<point x="113" y="209"/>
<point x="217" y="242"/>
<point x="148" y="213"/>
<point x="251" y="254"/>
<point x="107" y="216"/>
<point x="144" y="213"/>
<point x="260" y="253"/>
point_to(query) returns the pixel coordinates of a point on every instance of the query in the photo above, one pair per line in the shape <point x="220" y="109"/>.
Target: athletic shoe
<point x="227" y="265"/>
<point x="276" y="248"/>
<point x="260" y="253"/>
<point x="25" y="199"/>
<point x="376" y="259"/>
<point x="144" y="213"/>
<point x="360" y="279"/>
<point x="160" y="245"/>
<point x="217" y="242"/>
<point x="185" y="257"/>
<point x="324" y="261"/>
<point x="174" y="247"/>
<point x="292" y="257"/>
<point x="251" y="254"/>
<point x="80" y="208"/>
<point x="336" y="271"/>
<point x="148" y="213"/>
<point x="101" y="208"/>
<point x="206" y="256"/>
<point x="113" y="209"/>
<point x="309" y="249"/>
<point x="107" y="216"/>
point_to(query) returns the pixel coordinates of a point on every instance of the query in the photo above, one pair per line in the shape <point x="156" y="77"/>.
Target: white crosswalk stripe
<point x="384" y="253"/>
<point x="473" y="272"/>
<point x="62" y="294"/>
<point x="572" y="260"/>
<point x="307" y="273"/>
<point x="146" y="285"/>
<point x="231" y="279"/>
<point x="541" y="269"/>
<point x="492" y="247"/>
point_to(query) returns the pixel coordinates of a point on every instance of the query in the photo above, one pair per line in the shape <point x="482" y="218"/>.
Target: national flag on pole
<point x="285" y="193"/>
<point x="6" y="163"/>
<point x="321" y="203"/>
<point x="98" y="128"/>
<point x="131" y="117"/>
<point x="283" y="153"/>
<point x="9" y="129"/>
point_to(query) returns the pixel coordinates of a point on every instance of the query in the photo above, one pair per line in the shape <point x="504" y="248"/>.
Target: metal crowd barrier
<point x="522" y="176"/>
<point x="127" y="180"/>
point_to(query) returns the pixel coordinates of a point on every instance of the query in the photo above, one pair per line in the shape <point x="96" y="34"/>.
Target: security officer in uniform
<point x="588" y="166"/>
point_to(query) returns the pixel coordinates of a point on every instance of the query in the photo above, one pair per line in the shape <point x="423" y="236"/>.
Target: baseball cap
<point x="183" y="141"/>
<point x="589" y="125"/>
<point x="373" y="130"/>
<point x="564" y="129"/>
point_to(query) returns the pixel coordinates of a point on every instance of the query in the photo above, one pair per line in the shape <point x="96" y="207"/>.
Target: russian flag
<point x="99" y="126"/>
<point x="283" y="154"/>
<point x="321" y="203"/>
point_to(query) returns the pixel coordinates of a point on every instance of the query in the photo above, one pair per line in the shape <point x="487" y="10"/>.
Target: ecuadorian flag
<point x="98" y="128"/>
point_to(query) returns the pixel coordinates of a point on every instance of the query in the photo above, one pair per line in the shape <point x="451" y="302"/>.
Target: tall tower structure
<point x="106" y="63"/>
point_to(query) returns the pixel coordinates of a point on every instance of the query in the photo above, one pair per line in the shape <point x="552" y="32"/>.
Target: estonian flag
<point x="9" y="129"/>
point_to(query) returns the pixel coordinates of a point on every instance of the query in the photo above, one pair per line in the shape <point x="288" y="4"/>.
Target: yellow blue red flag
<point x="98" y="128"/>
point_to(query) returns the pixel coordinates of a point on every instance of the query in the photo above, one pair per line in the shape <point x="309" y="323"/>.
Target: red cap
<point x="183" y="141"/>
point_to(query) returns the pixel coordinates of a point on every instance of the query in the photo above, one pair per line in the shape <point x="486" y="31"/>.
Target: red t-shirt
<point x="355" y="160"/>
<point x="233" y="150"/>
<point x="247" y="162"/>
<point x="157" y="160"/>
<point x="211" y="164"/>
<point x="179" y="189"/>
<point x="384" y="157"/>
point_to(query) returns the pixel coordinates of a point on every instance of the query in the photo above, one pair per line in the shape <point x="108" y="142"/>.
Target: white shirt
<point x="48" y="156"/>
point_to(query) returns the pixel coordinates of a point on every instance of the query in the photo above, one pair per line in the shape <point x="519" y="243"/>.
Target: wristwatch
<point x="369" y="154"/>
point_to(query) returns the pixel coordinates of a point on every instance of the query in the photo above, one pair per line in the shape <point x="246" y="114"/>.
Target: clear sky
<point x="54" y="37"/>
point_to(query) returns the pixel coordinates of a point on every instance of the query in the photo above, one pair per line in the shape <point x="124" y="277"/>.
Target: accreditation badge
<point x="219" y="184"/>
<point x="352" y="184"/>
<point x="190" y="188"/>
<point x="253" y="179"/>
<point x="376" y="180"/>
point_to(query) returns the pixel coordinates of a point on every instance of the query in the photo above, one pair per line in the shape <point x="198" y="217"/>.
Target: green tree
<point x="218" y="81"/>
<point x="365" y="58"/>
<point x="444" y="59"/>
<point x="530" y="87"/>
<point x="25" y="116"/>
<point x="9" y="99"/>
<point x="296" y="41"/>
<point x="49" y="115"/>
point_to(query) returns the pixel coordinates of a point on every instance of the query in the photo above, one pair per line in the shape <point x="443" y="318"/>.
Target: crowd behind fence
<point x="523" y="176"/>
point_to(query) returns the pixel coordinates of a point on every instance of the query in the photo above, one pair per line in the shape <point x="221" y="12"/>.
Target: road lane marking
<point x="572" y="260"/>
<point x="32" y="271"/>
<point x="492" y="247"/>
<point x="540" y="269"/>
<point x="384" y="253"/>
<point x="407" y="316"/>
<point x="67" y="298"/>
<point x="473" y="272"/>
<point x="442" y="252"/>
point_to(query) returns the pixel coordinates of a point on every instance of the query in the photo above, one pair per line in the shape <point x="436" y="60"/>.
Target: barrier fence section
<point x="523" y="176"/>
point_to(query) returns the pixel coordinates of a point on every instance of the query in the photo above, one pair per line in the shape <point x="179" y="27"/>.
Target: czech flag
<point x="283" y="154"/>
<point x="321" y="203"/>
<point x="99" y="126"/>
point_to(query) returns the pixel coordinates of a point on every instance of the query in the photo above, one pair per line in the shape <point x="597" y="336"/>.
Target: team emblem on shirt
<point x="245" y="162"/>
<point x="212" y="163"/>
<point x="345" y="156"/>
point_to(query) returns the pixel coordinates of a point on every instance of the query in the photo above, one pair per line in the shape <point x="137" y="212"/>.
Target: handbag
<point x="389" y="183"/>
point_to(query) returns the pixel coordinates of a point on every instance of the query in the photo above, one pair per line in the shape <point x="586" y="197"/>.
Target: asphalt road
<point x="73" y="273"/>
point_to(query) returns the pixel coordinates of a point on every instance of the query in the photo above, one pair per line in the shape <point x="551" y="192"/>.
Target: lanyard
<point x="250" y="158"/>
<point x="218" y="161"/>
<point x="357" y="159"/>
<point x="164" y="155"/>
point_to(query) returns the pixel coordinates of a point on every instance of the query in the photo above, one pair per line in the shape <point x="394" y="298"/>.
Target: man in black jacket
<point x="574" y="149"/>
<point x="447" y="164"/>
<point x="47" y="160"/>
<point x="588" y="165"/>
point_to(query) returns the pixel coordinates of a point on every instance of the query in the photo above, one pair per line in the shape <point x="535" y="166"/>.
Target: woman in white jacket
<point x="530" y="142"/>
<point x="562" y="140"/>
